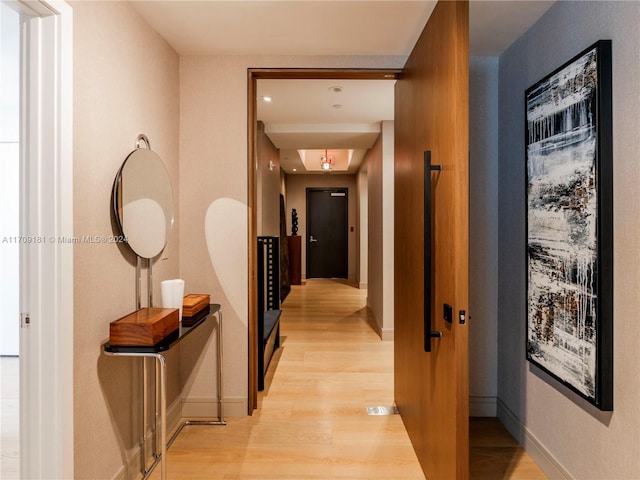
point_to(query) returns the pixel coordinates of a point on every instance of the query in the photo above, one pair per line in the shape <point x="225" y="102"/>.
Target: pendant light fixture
<point x="326" y="161"/>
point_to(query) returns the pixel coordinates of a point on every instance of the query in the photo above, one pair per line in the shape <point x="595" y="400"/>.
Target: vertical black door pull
<point x="428" y="333"/>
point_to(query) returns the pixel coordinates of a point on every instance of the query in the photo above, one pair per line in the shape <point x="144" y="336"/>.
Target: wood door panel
<point x="432" y="114"/>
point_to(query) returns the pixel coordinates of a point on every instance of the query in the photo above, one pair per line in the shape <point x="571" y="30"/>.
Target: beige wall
<point x="283" y="187"/>
<point x="268" y="185"/>
<point x="213" y="175"/>
<point x="380" y="173"/>
<point x="126" y="82"/>
<point x="297" y="198"/>
<point x="362" y="222"/>
<point x="388" y="181"/>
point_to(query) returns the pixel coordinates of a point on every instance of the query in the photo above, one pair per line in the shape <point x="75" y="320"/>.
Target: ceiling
<point x="323" y="114"/>
<point x="301" y="115"/>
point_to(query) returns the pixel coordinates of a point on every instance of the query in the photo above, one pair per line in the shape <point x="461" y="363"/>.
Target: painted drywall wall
<point x="583" y="442"/>
<point x="213" y="176"/>
<point x="375" y="300"/>
<point x="125" y="83"/>
<point x="362" y="232"/>
<point x="380" y="260"/>
<point x="297" y="198"/>
<point x="483" y="235"/>
<point x="268" y="185"/>
<point x="388" y="185"/>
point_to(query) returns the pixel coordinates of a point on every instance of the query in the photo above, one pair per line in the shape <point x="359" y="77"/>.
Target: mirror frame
<point x="117" y="201"/>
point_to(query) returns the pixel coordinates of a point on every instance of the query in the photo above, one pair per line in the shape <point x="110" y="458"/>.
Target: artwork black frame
<point x="569" y="201"/>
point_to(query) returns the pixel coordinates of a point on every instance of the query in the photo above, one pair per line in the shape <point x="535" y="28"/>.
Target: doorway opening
<point x="334" y="77"/>
<point x="9" y="241"/>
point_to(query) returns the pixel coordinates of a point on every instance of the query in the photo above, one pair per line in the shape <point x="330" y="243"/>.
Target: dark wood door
<point x="432" y="388"/>
<point x="327" y="235"/>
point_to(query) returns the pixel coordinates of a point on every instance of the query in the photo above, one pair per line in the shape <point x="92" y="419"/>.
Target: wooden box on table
<point x="193" y="303"/>
<point x="144" y="327"/>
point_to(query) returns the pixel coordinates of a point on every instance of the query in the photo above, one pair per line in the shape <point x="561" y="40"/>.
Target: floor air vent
<point x="383" y="410"/>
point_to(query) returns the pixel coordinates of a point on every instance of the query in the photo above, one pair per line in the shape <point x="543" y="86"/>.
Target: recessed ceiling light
<point x="335" y="89"/>
<point x="337" y="105"/>
<point x="266" y="98"/>
<point x="295" y="169"/>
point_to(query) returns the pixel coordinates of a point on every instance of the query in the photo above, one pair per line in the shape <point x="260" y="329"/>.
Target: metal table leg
<point x="220" y="379"/>
<point x="161" y="365"/>
<point x="144" y="415"/>
<point x="160" y="419"/>
<point x="221" y="420"/>
<point x="160" y="400"/>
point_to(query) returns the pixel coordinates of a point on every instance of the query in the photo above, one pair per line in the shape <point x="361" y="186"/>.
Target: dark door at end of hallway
<point x="327" y="235"/>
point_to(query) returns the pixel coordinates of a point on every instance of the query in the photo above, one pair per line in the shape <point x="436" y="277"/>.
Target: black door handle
<point x="428" y="333"/>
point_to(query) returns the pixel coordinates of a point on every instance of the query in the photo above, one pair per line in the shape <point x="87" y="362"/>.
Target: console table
<point x="157" y="352"/>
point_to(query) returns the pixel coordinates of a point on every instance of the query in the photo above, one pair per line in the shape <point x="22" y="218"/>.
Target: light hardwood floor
<point x="312" y="422"/>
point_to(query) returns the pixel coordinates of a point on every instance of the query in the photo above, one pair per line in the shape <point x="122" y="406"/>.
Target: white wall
<point x="582" y="442"/>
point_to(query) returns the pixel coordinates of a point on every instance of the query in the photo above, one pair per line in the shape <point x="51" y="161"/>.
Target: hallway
<point x="312" y="420"/>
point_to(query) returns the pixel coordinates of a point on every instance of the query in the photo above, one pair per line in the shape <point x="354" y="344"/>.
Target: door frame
<point x="46" y="345"/>
<point x="253" y="75"/>
<point x="344" y="190"/>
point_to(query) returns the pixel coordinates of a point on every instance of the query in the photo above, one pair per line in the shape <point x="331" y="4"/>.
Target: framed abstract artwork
<point x="569" y="159"/>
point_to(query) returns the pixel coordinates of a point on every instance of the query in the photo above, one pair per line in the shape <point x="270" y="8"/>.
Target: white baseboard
<point x="207" y="407"/>
<point x="132" y="465"/>
<point x="386" y="334"/>
<point x="133" y="468"/>
<point x="482" y="406"/>
<point x="538" y="452"/>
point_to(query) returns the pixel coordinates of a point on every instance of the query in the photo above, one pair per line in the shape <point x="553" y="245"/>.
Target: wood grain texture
<point x="144" y="327"/>
<point x="495" y="454"/>
<point x="193" y="303"/>
<point x="295" y="259"/>
<point x="432" y="114"/>
<point x="311" y="422"/>
<point x="252" y="231"/>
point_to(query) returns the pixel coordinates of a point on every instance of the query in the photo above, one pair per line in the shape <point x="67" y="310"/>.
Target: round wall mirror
<point x="143" y="201"/>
